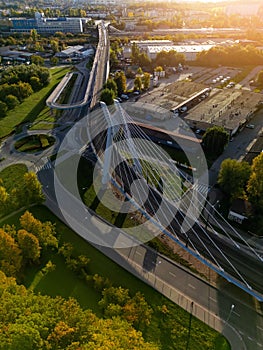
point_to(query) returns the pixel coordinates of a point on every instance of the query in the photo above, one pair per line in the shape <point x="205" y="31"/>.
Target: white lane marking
<point x="191" y="286"/>
<point x="138" y="253"/>
<point x="171" y="273"/>
<point x="213" y="299"/>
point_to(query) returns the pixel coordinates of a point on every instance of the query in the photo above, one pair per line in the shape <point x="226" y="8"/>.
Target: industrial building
<point x="190" y="51"/>
<point x="45" y="25"/>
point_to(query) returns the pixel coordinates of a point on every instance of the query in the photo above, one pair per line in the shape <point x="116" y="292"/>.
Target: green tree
<point x="54" y="44"/>
<point x="11" y="101"/>
<point x="35" y="83"/>
<point x="137" y="83"/>
<point x="29" y="245"/>
<point x="107" y="96"/>
<point x="233" y="177"/>
<point x="255" y="183"/>
<point x="54" y="60"/>
<point x="120" y="81"/>
<point x="45" y="232"/>
<point x="215" y="139"/>
<point x="34" y="35"/>
<point x="32" y="188"/>
<point x="37" y="60"/>
<point x="3" y="109"/>
<point x="4" y="200"/>
<point x="146" y="80"/>
<point x="111" y="85"/>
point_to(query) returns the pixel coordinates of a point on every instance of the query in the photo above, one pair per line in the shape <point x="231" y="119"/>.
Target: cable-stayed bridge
<point x="167" y="197"/>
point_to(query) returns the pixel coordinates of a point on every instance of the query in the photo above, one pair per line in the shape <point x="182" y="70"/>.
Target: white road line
<point x="191" y="286"/>
<point x="172" y="274"/>
<point x="138" y="253"/>
<point x="213" y="299"/>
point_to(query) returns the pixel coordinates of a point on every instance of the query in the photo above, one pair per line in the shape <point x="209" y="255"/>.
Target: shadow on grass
<point x="33" y="114"/>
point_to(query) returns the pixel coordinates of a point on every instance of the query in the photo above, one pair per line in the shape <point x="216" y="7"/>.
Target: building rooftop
<point x="180" y="48"/>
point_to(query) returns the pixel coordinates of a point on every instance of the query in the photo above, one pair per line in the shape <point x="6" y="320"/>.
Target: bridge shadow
<point x="150" y="260"/>
<point x="96" y="201"/>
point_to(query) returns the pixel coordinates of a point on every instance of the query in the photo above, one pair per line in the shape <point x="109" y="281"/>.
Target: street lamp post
<point x="189" y="326"/>
<point x="228" y="317"/>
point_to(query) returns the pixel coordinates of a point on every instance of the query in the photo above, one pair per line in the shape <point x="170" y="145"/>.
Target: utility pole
<point x="189" y="326"/>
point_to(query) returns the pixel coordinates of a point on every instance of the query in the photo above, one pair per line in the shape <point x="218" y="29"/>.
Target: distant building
<point x="45" y="25"/>
<point x="78" y="52"/>
<point x="14" y="57"/>
<point x="243" y="9"/>
<point x="190" y="51"/>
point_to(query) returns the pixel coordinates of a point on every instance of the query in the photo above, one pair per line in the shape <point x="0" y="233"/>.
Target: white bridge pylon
<point x="113" y="127"/>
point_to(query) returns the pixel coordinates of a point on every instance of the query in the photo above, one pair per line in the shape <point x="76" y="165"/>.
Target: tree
<point x="3" y="109"/>
<point x="10" y="255"/>
<point x="233" y="177"/>
<point x="255" y="183"/>
<point x="35" y="83"/>
<point x="54" y="60"/>
<point x="215" y="139"/>
<point x="30" y="321"/>
<point x="107" y="96"/>
<point x="29" y="245"/>
<point x="120" y="80"/>
<point x="54" y="46"/>
<point x="34" y="35"/>
<point x="32" y="189"/>
<point x="11" y="101"/>
<point x="38" y="60"/>
<point x="4" y="200"/>
<point x="45" y="232"/>
<point x="137" y="83"/>
<point x="137" y="311"/>
<point x="146" y="80"/>
<point x="111" y="85"/>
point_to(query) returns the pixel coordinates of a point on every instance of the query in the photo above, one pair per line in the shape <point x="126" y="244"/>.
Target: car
<point x="183" y="109"/>
<point x="250" y="126"/>
<point x="136" y="93"/>
<point x="119" y="99"/>
<point x="124" y="97"/>
<point x="198" y="131"/>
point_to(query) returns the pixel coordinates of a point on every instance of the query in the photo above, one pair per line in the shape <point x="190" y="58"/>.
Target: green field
<point x="31" y="107"/>
<point x="12" y="176"/>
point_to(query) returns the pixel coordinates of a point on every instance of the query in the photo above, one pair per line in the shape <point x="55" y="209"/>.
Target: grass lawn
<point x="168" y="331"/>
<point x="12" y="176"/>
<point x="30" y="108"/>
